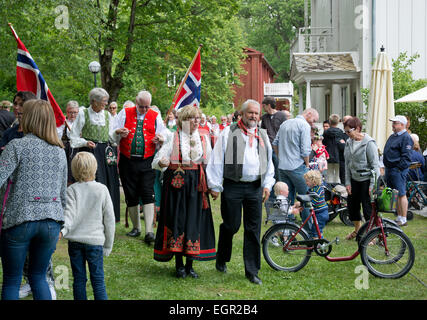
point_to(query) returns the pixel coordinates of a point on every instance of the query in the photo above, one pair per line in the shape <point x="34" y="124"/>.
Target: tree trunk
<point x="114" y="83"/>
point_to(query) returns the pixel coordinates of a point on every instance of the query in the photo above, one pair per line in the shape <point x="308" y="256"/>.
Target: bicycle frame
<point x="375" y="220"/>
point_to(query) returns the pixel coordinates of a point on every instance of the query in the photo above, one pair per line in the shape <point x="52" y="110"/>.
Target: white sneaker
<point x="24" y="291"/>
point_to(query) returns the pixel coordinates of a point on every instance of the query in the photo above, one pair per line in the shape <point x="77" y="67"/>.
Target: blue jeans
<point x="80" y="253"/>
<point x="39" y="239"/>
<point x="296" y="184"/>
<point x="322" y="217"/>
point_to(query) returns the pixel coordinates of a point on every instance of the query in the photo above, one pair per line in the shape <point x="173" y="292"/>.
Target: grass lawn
<point x="132" y="274"/>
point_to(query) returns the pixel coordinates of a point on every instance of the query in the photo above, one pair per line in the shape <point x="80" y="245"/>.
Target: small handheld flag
<point x="29" y="78"/>
<point x="188" y="92"/>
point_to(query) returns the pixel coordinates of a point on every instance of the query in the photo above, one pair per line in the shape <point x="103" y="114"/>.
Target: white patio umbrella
<point x="381" y="101"/>
<point x="416" y="96"/>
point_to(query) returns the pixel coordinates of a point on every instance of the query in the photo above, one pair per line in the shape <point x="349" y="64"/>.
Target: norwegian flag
<point x="188" y="92"/>
<point x="29" y="78"/>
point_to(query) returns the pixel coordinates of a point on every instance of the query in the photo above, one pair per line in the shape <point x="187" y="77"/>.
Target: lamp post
<point x="94" y="67"/>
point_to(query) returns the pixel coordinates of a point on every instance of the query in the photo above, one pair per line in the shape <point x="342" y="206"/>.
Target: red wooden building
<point x="258" y="71"/>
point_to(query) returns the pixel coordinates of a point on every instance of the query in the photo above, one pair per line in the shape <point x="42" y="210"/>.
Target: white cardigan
<point x="89" y="215"/>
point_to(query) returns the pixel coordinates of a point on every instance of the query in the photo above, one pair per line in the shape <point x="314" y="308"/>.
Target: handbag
<point x="387" y="200"/>
<point x="110" y="156"/>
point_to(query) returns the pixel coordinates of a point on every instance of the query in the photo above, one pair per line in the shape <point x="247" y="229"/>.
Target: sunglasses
<point x="348" y="131"/>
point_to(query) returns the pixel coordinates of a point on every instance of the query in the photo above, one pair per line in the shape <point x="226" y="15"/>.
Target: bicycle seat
<point x="304" y="198"/>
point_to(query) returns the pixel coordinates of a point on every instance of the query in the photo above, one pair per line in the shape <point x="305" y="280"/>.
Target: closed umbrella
<point x="416" y="96"/>
<point x="381" y="101"/>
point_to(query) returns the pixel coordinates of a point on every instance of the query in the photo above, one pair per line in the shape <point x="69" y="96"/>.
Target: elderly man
<point x="139" y="129"/>
<point x="241" y="167"/>
<point x="293" y="146"/>
<point x="397" y="159"/>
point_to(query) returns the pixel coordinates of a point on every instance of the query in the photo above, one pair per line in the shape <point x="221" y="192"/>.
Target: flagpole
<point x="184" y="79"/>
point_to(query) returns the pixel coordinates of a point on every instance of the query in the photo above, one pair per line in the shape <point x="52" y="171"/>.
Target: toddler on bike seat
<point x="281" y="191"/>
<point x="313" y="179"/>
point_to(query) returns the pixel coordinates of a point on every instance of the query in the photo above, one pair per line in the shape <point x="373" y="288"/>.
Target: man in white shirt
<point x="242" y="169"/>
<point x="139" y="129"/>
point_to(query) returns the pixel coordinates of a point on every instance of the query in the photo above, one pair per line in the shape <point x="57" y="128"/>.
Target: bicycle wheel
<point x="362" y="231"/>
<point x="345" y="218"/>
<point x="292" y="259"/>
<point x="392" y="263"/>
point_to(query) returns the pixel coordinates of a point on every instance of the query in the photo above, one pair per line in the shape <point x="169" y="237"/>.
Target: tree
<point x="403" y="84"/>
<point x="271" y="26"/>
<point x="138" y="43"/>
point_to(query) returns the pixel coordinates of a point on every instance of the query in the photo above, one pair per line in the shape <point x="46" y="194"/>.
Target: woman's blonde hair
<point x="314" y="176"/>
<point x="279" y="186"/>
<point x="84" y="166"/>
<point x="186" y="113"/>
<point x="38" y="118"/>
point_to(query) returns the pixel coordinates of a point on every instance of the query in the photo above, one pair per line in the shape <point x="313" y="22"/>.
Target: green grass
<point x="132" y="274"/>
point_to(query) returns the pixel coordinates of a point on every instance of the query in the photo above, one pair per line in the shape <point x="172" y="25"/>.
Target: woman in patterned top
<point x="313" y="179"/>
<point x="35" y="200"/>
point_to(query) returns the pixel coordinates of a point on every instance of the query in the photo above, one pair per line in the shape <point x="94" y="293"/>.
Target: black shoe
<point x="254" y="279"/>
<point x="221" y="267"/>
<point x="134" y="233"/>
<point x="149" y="237"/>
<point x="192" y="273"/>
<point x="181" y="273"/>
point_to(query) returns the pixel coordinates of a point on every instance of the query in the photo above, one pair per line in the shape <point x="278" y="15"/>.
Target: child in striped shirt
<point x="313" y="179"/>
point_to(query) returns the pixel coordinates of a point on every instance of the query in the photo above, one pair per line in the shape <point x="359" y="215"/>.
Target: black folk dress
<point x="185" y="225"/>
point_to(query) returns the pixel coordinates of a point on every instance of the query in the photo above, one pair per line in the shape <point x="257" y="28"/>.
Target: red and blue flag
<point x="189" y="90"/>
<point x="29" y="78"/>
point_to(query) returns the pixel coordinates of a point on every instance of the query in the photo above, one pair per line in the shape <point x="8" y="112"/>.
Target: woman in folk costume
<point x="93" y="131"/>
<point x="185" y="227"/>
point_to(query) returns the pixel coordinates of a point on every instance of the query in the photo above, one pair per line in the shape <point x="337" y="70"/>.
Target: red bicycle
<point x="385" y="250"/>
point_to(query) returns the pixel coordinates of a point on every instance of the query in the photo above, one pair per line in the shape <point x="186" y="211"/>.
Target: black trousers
<point x="137" y="179"/>
<point x="359" y="195"/>
<point x="235" y="196"/>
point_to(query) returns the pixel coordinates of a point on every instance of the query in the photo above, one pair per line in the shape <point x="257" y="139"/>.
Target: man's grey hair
<point x="97" y="94"/>
<point x="312" y="111"/>
<point x="246" y="104"/>
<point x="72" y="104"/>
<point x="143" y="95"/>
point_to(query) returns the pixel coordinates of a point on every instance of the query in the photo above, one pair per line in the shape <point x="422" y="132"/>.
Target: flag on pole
<point x="29" y="78"/>
<point x="188" y="92"/>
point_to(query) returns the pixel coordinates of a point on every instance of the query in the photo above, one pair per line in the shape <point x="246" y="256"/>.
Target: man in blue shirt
<point x="397" y="160"/>
<point x="293" y="146"/>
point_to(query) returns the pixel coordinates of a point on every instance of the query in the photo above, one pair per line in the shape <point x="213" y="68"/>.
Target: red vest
<point x="148" y="128"/>
<point x="204" y="129"/>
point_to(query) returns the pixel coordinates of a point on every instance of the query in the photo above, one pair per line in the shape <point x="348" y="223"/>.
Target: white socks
<point x="134" y="217"/>
<point x="148" y="217"/>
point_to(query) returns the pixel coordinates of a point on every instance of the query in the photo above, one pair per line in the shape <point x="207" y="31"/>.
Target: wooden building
<point x="258" y="72"/>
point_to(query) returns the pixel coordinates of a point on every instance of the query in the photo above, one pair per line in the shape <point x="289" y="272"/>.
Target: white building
<point x="332" y="58"/>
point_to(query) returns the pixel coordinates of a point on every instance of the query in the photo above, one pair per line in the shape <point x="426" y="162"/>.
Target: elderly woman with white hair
<point x="93" y="131"/>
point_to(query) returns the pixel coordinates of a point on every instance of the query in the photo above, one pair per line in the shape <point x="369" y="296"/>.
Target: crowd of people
<point x="65" y="182"/>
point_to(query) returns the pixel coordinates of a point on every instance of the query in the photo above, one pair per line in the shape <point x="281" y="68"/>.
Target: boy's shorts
<point x="396" y="179"/>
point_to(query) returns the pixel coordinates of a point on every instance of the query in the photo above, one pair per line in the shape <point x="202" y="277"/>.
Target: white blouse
<point x="95" y="118"/>
<point x="191" y="149"/>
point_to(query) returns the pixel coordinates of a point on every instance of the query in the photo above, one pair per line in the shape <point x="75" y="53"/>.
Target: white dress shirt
<point x="251" y="164"/>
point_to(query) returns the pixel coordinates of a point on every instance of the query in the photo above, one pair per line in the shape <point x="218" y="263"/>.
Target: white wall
<point x="401" y="26"/>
